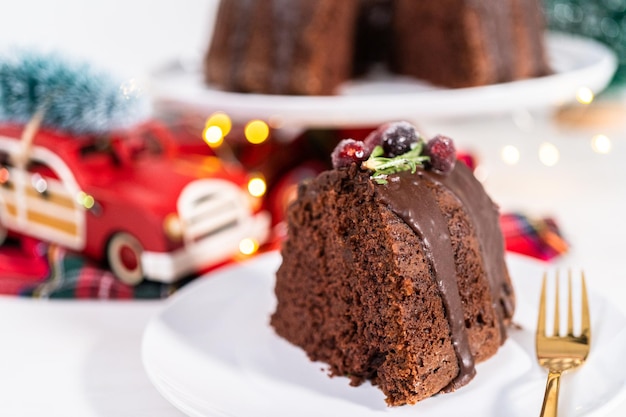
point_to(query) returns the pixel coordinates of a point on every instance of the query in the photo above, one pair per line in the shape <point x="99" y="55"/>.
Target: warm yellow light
<point x="89" y="202"/>
<point x="601" y="144"/>
<point x="221" y="120"/>
<point x="257" y="187"/>
<point x="213" y="136"/>
<point x="173" y="227"/>
<point x="548" y="154"/>
<point x="584" y="95"/>
<point x="257" y="131"/>
<point x="510" y="155"/>
<point x="248" y="246"/>
<point x="85" y="200"/>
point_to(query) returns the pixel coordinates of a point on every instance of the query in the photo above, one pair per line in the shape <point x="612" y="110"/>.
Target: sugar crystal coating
<point x="442" y="154"/>
<point x="348" y="151"/>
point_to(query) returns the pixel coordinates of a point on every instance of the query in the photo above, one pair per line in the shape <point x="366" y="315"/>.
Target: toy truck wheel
<point x="124" y="256"/>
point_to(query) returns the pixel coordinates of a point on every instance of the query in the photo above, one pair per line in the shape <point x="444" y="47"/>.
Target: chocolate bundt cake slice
<point x="395" y="275"/>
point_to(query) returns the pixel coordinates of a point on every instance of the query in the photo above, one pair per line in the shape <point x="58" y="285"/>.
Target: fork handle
<point x="551" y="396"/>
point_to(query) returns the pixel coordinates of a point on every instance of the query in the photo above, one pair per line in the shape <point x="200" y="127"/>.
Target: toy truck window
<point x="40" y="176"/>
<point x="5" y="159"/>
<point x="99" y="151"/>
<point x="41" y="169"/>
<point x="144" y="142"/>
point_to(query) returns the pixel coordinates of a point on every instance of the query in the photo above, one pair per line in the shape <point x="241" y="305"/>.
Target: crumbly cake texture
<point x="310" y="47"/>
<point x="357" y="288"/>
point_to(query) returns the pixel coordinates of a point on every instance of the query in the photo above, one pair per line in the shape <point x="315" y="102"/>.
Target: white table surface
<point x="82" y="358"/>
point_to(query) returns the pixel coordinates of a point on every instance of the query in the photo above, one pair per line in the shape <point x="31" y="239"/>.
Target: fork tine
<point x="541" y="318"/>
<point x="586" y="324"/>
<point x="559" y="353"/>
<point x="557" y="311"/>
<point x="570" y="312"/>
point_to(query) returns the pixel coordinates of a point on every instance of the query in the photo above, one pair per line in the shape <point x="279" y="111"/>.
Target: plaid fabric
<point x="40" y="270"/>
<point x="36" y="269"/>
<point x="73" y="276"/>
<point x="538" y="238"/>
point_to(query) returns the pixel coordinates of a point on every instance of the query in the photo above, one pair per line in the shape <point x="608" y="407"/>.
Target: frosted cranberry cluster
<point x="395" y="147"/>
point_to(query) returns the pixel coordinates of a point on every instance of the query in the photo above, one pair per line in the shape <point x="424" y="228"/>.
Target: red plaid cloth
<point x="37" y="269"/>
<point x="538" y="238"/>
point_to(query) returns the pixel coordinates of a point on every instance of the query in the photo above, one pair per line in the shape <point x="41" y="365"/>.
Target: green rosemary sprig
<point x="383" y="166"/>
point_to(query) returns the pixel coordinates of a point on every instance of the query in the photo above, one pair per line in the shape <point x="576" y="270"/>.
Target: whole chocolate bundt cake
<point x="310" y="47"/>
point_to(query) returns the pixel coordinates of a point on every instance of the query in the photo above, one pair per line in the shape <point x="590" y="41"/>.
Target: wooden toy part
<point x="28" y="136"/>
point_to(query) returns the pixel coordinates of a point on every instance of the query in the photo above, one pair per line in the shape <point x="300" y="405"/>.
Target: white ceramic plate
<point x="211" y="352"/>
<point x="577" y="62"/>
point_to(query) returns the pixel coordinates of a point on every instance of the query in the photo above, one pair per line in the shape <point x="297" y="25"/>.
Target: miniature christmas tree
<point x="65" y="95"/>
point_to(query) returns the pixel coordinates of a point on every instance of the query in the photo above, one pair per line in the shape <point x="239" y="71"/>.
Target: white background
<point x="129" y="35"/>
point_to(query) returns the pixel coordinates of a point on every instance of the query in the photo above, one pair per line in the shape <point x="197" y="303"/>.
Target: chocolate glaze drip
<point x="424" y="216"/>
<point x="484" y="215"/>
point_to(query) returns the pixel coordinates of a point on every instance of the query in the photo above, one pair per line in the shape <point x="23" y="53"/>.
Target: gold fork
<point x="561" y="353"/>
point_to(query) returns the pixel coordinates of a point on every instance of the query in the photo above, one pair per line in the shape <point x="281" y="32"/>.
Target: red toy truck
<point x="129" y="199"/>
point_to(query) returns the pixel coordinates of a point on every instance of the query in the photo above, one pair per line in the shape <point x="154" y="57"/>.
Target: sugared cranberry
<point x="348" y="151"/>
<point x="442" y="154"/>
<point x="398" y="138"/>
